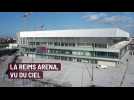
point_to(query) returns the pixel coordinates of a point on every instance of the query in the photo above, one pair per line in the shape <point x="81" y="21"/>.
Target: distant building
<point x="4" y="42"/>
<point x="12" y="45"/>
<point x="131" y="46"/>
<point x="101" y="46"/>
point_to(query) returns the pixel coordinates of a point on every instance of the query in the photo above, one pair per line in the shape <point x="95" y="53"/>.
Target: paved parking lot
<point x="77" y="74"/>
<point x="4" y="81"/>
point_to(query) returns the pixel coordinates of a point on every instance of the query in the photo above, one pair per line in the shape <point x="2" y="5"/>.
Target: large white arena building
<point x="105" y="46"/>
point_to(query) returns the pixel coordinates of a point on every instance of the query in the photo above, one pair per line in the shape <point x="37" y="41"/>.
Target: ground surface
<point x="76" y="74"/>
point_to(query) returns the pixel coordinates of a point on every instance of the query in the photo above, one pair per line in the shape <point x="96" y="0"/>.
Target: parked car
<point x="102" y="66"/>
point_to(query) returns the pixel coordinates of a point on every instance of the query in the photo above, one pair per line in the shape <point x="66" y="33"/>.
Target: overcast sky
<point x="12" y="22"/>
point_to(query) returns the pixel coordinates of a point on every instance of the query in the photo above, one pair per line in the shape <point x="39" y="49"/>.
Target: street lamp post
<point x="32" y="49"/>
<point x="92" y="79"/>
<point x="25" y="18"/>
<point x="121" y="83"/>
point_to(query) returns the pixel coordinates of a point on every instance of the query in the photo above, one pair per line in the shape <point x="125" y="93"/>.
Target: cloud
<point x="113" y="20"/>
<point x="124" y="20"/>
<point x="105" y="18"/>
<point x="93" y="16"/>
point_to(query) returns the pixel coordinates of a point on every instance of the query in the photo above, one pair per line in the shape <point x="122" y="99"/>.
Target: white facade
<point x="110" y="44"/>
<point x="106" y="32"/>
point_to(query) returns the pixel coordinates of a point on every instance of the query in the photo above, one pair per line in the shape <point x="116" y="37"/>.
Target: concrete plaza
<point x="79" y="74"/>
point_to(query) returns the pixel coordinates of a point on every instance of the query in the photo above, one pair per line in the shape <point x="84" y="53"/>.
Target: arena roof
<point x="104" y="32"/>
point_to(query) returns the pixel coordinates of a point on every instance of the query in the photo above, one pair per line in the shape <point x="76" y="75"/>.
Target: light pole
<point x="25" y="18"/>
<point x="32" y="49"/>
<point x="92" y="79"/>
<point x="121" y="83"/>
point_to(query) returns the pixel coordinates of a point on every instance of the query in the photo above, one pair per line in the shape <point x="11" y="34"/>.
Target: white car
<point x="101" y="66"/>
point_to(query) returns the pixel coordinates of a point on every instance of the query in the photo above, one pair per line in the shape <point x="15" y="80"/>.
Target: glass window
<point x="62" y="44"/>
<point x="66" y="44"/>
<point x="37" y="43"/>
<point x="73" y="44"/>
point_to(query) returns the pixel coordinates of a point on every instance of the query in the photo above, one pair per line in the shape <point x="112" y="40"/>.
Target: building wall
<point x="84" y="41"/>
<point x="29" y="45"/>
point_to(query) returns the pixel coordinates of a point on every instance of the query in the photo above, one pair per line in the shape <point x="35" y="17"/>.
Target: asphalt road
<point x="4" y="81"/>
